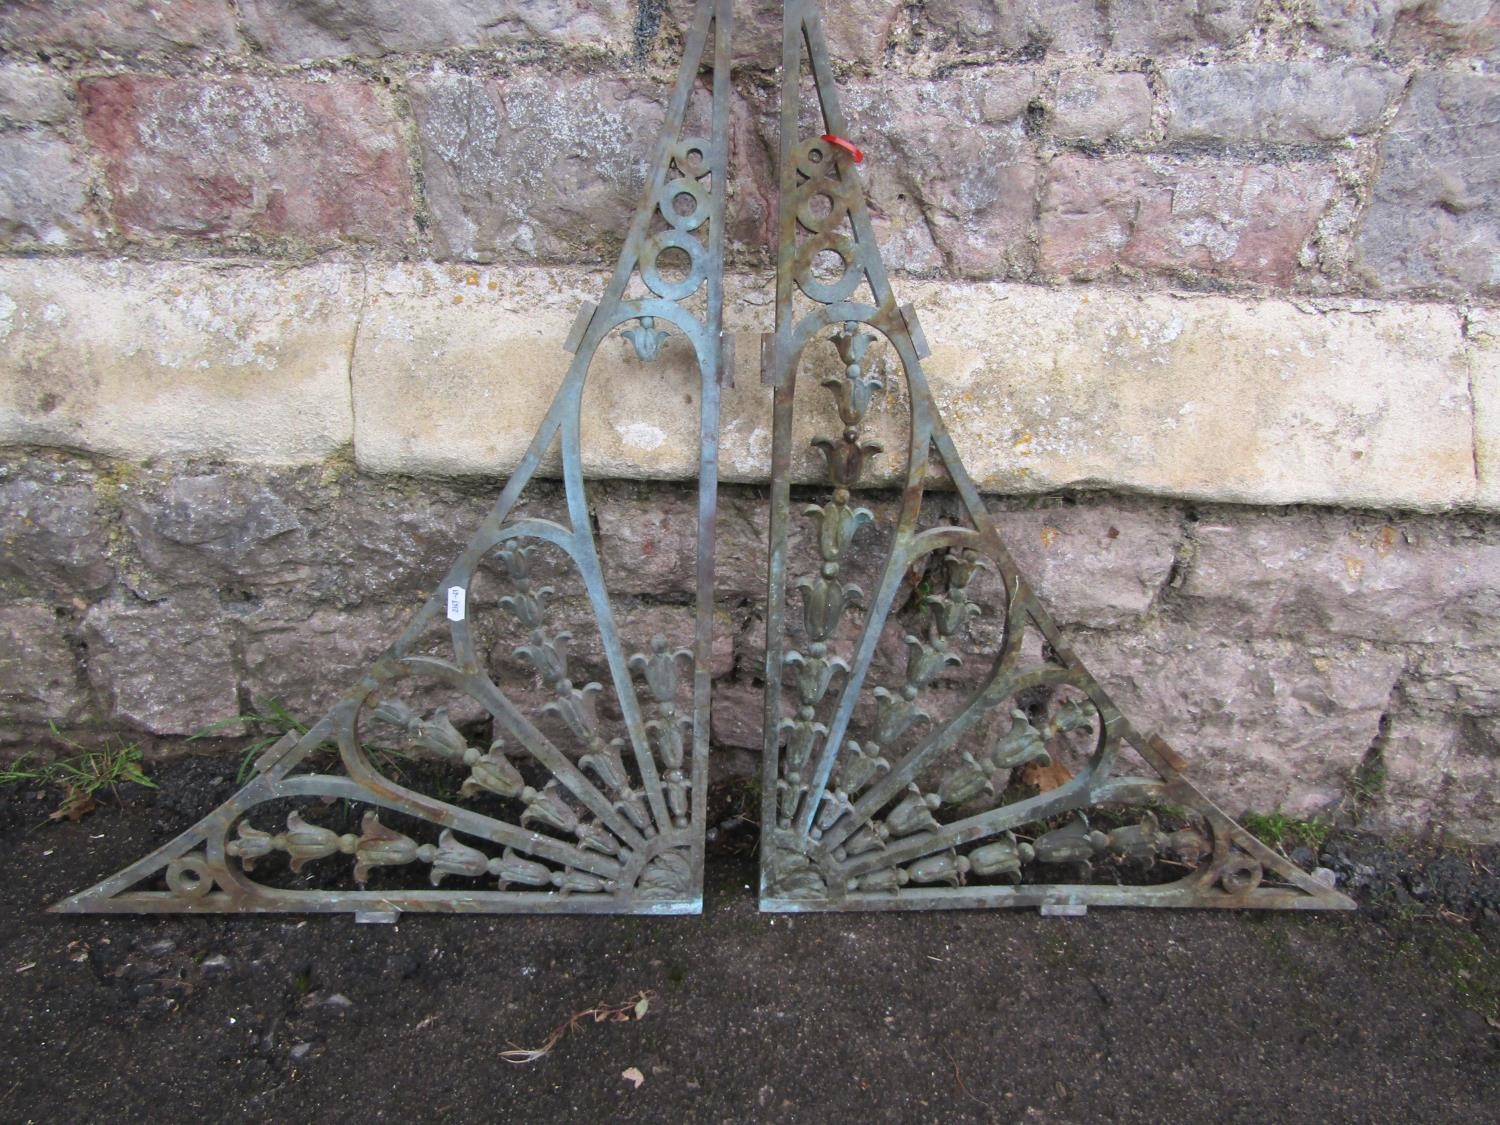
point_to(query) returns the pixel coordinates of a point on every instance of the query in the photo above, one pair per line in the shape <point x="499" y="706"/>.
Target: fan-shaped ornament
<point x="478" y="765"/>
<point x="889" y="783"/>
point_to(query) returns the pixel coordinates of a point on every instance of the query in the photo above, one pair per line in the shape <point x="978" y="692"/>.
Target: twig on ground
<point x="1455" y="917"/>
<point x="959" y="1078"/>
<point x="633" y="1009"/>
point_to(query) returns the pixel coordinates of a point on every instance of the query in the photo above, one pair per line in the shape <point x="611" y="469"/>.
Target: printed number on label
<point x="455" y="603"/>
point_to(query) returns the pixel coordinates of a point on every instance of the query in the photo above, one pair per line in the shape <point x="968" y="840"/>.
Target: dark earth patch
<point x="1390" y="1014"/>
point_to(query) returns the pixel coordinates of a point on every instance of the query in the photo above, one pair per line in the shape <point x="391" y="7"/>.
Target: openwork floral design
<point x="932" y="740"/>
<point x="517" y="748"/>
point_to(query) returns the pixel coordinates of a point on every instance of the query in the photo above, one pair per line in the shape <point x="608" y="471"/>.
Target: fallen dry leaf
<point x="612" y="1013"/>
<point x="633" y="1075"/>
<point x="75" y="807"/>
<point x="1045" y="778"/>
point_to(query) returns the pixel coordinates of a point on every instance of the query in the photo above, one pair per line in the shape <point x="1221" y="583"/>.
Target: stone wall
<point x="1211" y="287"/>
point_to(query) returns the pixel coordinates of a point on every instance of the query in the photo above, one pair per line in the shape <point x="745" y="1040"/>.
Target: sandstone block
<point x="217" y="527"/>
<point x="1433" y="223"/>
<point x="1093" y="565"/>
<point x="30" y="95"/>
<point x="738" y="714"/>
<point x="1467" y="27"/>
<point x="306" y="663"/>
<point x="1484" y="361"/>
<point x="38" y="679"/>
<point x="1155" y="27"/>
<point x="258" y="532"/>
<point x="307" y="659"/>
<point x="1239" y="222"/>
<point x="164" y="667"/>
<point x="53" y="534"/>
<point x="1317" y="574"/>
<point x="264" y="157"/>
<point x="743" y="530"/>
<point x="949" y="172"/>
<point x="1017" y="25"/>
<point x="1264" y="724"/>
<point x="1453" y="680"/>
<point x="512" y="172"/>
<point x="43" y="204"/>
<point x="1098" y="107"/>
<point x="648" y="547"/>
<point x="1042" y="389"/>
<point x="1356" y="24"/>
<point x="375" y="540"/>
<point x="1439" y="775"/>
<point x="486" y="390"/>
<point x="647" y="540"/>
<point x="857" y="33"/>
<point x="298" y="30"/>
<point x="1256" y="402"/>
<point x="1276" y="103"/>
<point x="949" y="165"/>
<point x="125" y="27"/>
<point x="154" y="359"/>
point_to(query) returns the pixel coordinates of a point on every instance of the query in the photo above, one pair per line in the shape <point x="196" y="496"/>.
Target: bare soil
<point x="1389" y="1014"/>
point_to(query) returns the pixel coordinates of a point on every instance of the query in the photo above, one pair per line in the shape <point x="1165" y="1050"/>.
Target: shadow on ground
<point x="1121" y="1016"/>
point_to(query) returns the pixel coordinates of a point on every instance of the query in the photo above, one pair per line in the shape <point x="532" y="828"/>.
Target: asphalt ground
<point x="1389" y="1014"/>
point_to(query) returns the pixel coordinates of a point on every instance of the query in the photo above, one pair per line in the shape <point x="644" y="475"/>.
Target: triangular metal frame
<point x="607" y="825"/>
<point x="843" y="826"/>
<point x="905" y="816"/>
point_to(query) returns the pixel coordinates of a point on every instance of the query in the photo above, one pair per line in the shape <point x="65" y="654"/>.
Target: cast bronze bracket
<point x="469" y="771"/>
<point x="888" y="785"/>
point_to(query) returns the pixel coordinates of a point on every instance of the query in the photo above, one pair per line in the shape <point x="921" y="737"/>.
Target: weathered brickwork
<point x="1199" y="219"/>
<point x="316" y="161"/>
<point x="43" y="194"/>
<point x="1293" y="656"/>
<point x="282" y="284"/>
<point x="114" y="28"/>
<point x="1325" y="148"/>
<point x="513" y="171"/>
<point x="1434" y="221"/>
<point x="296" y="31"/>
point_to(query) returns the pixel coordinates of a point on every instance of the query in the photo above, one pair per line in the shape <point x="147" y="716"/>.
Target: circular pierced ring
<point x="651" y="275"/>
<point x="189" y="876"/>
<point x="814" y="158"/>
<point x="828" y="292"/>
<point x="678" y="189"/>
<point x="808" y="194"/>
<point x="691" y="157"/>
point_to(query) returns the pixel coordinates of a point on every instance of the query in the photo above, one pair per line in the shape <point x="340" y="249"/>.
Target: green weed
<point x="274" y="725"/>
<point x="81" y="777"/>
<point x="1277" y="830"/>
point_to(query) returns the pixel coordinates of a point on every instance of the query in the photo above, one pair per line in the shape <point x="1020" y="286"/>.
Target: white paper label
<point x="455" y="603"/>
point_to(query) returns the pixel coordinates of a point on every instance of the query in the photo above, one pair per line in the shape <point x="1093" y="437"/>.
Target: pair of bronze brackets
<point x="469" y="770"/>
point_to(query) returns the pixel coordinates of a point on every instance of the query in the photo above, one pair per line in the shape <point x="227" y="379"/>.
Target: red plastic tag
<point x="847" y="145"/>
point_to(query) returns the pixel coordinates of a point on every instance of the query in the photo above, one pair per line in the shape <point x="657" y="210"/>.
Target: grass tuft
<point x="1277" y="830"/>
<point x="273" y="726"/>
<point x="81" y="777"/>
